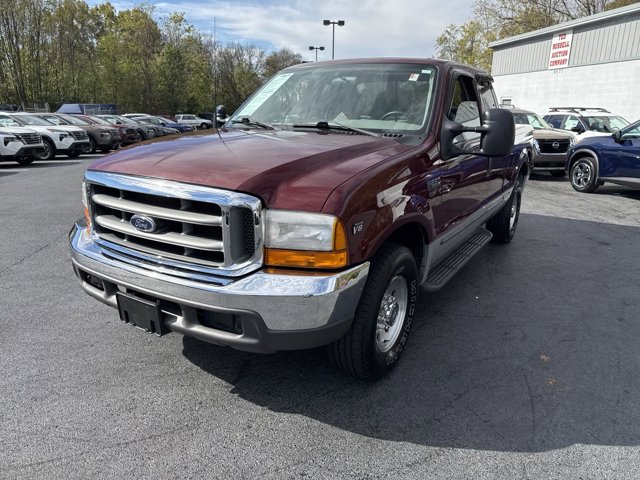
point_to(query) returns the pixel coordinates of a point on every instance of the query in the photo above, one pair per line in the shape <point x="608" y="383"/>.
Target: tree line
<point x="64" y="51"/>
<point x="496" y="19"/>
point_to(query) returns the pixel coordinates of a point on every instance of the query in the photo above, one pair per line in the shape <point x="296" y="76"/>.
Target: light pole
<point x="316" y="49"/>
<point x="340" y="23"/>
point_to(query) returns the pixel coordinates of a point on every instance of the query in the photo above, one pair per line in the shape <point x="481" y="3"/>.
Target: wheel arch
<point x="412" y="235"/>
<point x="582" y="153"/>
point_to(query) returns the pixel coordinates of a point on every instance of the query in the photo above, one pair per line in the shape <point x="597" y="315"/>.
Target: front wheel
<point x="383" y="318"/>
<point x="24" y="161"/>
<point x="504" y="223"/>
<point x="583" y="175"/>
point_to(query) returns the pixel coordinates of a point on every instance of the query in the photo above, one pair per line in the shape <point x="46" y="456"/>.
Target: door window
<point x="464" y="110"/>
<point x="571" y="122"/>
<point x="555" y="120"/>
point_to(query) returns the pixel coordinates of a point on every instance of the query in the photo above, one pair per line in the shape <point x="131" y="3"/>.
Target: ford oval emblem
<point x="143" y="223"/>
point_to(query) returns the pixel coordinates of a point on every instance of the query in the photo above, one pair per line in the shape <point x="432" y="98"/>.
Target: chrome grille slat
<point x="160" y="212"/>
<point x="186" y="241"/>
<point x="154" y="251"/>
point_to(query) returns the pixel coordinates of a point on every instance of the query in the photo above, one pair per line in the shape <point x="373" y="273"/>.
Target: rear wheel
<point x="383" y="318"/>
<point x="583" y="175"/>
<point x="504" y="223"/>
<point x="49" y="150"/>
<point x="204" y="126"/>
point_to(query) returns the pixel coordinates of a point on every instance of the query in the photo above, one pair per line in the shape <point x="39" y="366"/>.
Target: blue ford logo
<point x="143" y="223"/>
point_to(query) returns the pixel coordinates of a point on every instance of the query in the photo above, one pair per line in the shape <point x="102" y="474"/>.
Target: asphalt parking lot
<point x="524" y="366"/>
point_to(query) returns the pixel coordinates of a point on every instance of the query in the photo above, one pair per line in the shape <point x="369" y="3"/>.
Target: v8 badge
<point x="357" y="228"/>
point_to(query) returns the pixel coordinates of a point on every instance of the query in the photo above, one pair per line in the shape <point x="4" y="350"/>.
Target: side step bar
<point x="446" y="269"/>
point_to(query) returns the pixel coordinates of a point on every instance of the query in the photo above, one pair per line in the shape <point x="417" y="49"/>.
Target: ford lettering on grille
<point x="144" y="224"/>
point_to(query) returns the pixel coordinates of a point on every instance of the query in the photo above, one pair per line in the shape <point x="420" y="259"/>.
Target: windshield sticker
<point x="262" y="96"/>
<point x="414" y="77"/>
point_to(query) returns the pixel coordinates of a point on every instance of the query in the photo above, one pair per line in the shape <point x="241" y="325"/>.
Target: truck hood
<point x="552" y="134"/>
<point x="287" y="169"/>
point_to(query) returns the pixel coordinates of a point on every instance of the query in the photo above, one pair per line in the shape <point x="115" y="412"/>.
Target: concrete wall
<point x="614" y="86"/>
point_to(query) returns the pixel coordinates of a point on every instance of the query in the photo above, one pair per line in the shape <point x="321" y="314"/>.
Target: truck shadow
<point x="532" y="347"/>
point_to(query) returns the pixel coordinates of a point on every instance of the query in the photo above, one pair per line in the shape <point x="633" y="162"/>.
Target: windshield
<point x="532" y="119"/>
<point x="381" y="98"/>
<point x="98" y="120"/>
<point x="73" y="120"/>
<point x="604" y="123"/>
<point x="129" y="120"/>
<point x="33" y="120"/>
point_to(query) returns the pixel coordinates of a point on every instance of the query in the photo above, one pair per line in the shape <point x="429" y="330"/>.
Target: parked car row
<point x="591" y="145"/>
<point x="25" y="137"/>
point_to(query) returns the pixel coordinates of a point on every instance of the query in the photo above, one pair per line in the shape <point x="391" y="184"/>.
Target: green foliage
<point x="63" y="51"/>
<point x="496" y="19"/>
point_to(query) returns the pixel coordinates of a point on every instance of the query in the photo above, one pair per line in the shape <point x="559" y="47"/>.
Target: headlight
<point x="302" y="239"/>
<point x="572" y="141"/>
<point x="536" y="145"/>
<point x="8" y="140"/>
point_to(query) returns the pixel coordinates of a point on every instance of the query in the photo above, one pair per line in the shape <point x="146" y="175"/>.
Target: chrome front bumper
<point x="275" y="311"/>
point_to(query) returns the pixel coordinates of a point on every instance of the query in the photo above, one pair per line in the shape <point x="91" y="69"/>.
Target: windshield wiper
<point x="253" y="123"/>
<point x="335" y="126"/>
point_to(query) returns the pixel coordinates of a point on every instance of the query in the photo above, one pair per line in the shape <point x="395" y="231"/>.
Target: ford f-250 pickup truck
<point x="313" y="217"/>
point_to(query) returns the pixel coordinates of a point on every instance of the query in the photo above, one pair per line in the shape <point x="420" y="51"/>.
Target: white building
<point x="589" y="62"/>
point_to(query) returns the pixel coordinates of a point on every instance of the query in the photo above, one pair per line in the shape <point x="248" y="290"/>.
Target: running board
<point x="446" y="269"/>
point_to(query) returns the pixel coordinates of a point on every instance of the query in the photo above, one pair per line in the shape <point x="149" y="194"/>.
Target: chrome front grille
<point x="29" y="138"/>
<point x="201" y="229"/>
<point x="81" y="135"/>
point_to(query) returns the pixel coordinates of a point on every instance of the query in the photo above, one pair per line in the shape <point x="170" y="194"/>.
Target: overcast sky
<point x="374" y="28"/>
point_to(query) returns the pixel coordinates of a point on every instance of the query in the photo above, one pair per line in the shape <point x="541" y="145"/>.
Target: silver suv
<point x="585" y="121"/>
<point x="550" y="145"/>
<point x="194" y="121"/>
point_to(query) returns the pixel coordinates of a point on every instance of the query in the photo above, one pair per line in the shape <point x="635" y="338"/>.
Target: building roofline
<point x="597" y="18"/>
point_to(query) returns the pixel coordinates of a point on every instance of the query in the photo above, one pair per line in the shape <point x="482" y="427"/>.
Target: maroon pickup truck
<point x="314" y="217"/>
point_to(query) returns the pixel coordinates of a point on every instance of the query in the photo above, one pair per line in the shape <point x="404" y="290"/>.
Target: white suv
<point x="194" y="121"/>
<point x="584" y="121"/>
<point x="64" y="139"/>
<point x="20" y="144"/>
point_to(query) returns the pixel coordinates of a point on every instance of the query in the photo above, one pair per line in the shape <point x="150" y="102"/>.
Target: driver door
<point x="464" y="184"/>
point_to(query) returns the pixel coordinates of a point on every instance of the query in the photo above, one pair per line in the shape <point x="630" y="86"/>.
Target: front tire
<point x="583" y="175"/>
<point x="24" y="161"/>
<point x="504" y="223"/>
<point x="383" y="318"/>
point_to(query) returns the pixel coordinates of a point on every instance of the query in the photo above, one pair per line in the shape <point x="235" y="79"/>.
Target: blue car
<point x="612" y="159"/>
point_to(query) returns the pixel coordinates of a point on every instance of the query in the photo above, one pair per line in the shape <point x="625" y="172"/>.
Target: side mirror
<point x="497" y="135"/>
<point x="578" y="129"/>
<point x="617" y="136"/>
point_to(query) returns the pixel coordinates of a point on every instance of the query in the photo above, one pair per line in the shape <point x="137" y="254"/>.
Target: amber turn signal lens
<point x="303" y="259"/>
<point x="87" y="217"/>
<point x="339" y="236"/>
